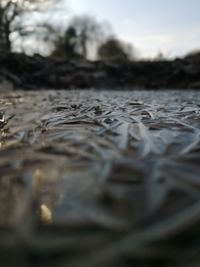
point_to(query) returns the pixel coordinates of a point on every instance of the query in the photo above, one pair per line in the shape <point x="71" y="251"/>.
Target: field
<point x="100" y="178"/>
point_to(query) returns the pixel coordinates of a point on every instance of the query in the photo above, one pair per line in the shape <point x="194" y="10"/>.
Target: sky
<point x="171" y="27"/>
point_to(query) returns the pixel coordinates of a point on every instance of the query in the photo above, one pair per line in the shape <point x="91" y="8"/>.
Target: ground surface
<point x="100" y="178"/>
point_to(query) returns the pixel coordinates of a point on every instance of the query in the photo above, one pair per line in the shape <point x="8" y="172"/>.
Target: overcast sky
<point x="168" y="26"/>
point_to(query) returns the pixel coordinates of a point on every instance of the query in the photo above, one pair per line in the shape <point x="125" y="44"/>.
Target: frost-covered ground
<point x="100" y="178"/>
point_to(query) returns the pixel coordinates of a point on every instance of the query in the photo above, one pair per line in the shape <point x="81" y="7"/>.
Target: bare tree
<point x="89" y="33"/>
<point x="12" y="13"/>
<point x="81" y="38"/>
<point x="65" y="45"/>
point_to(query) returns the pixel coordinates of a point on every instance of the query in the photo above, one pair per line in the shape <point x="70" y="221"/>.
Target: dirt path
<point x="102" y="172"/>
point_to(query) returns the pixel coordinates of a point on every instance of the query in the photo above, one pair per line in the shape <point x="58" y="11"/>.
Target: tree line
<point x="82" y="38"/>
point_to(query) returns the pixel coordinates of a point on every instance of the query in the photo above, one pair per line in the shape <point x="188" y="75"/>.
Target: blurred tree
<point x="11" y="14"/>
<point x="160" y="56"/>
<point x="70" y="42"/>
<point x="193" y="57"/>
<point x="65" y="46"/>
<point x="114" y="49"/>
<point x="88" y="33"/>
<point x="81" y="39"/>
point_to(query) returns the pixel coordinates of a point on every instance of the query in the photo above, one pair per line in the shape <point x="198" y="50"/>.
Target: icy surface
<point x="105" y="172"/>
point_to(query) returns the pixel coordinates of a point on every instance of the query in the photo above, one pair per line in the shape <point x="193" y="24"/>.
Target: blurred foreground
<point x="99" y="178"/>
